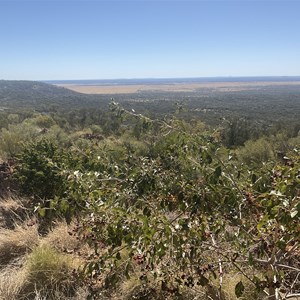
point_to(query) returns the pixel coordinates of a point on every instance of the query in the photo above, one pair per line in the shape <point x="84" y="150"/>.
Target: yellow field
<point x="189" y="87"/>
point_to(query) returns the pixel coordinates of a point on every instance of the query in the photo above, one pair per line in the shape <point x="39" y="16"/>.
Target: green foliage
<point x="14" y="136"/>
<point x="236" y="132"/>
<point x="43" y="121"/>
<point x="181" y="208"/>
<point x="151" y="190"/>
<point x="169" y="198"/>
<point x="39" y="170"/>
<point x="13" y="118"/>
<point x="239" y="289"/>
<point x="256" y="152"/>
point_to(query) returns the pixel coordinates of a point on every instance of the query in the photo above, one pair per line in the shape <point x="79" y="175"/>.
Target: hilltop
<point x="38" y="95"/>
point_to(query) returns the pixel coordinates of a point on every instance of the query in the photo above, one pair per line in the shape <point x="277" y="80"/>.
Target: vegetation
<point x="157" y="207"/>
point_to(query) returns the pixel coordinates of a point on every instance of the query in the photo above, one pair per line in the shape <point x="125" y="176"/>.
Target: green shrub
<point x="43" y="121"/>
<point x="256" y="152"/>
<point x="38" y="171"/>
<point x="12" y="139"/>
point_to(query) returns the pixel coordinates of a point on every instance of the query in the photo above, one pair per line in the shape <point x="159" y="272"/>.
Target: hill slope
<point x="38" y="95"/>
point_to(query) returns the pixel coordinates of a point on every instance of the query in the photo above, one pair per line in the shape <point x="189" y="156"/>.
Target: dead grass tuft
<point x="60" y="239"/>
<point x="17" y="242"/>
<point x="13" y="210"/>
<point x="12" y="280"/>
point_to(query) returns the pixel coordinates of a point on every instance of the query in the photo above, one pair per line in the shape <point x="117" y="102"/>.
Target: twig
<point x="292" y="296"/>
<point x="293" y="284"/>
<point x="220" y="265"/>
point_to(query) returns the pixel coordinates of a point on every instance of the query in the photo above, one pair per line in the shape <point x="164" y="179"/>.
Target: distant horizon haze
<point x="173" y="80"/>
<point x="157" y="80"/>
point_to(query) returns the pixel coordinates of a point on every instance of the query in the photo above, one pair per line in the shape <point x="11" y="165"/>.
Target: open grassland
<point x="176" y="87"/>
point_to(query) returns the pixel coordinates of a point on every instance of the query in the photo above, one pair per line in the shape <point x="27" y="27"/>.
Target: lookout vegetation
<point x="135" y="206"/>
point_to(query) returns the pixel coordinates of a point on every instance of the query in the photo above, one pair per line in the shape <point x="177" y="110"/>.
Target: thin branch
<point x="237" y="266"/>
<point x="220" y="265"/>
<point x="292" y="296"/>
<point x="287" y="267"/>
<point x="293" y="284"/>
<point x="229" y="174"/>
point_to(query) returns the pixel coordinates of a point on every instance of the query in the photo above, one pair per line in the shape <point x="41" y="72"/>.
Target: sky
<point x="90" y="39"/>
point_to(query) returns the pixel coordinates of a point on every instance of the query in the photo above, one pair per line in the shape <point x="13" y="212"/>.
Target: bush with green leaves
<point x="186" y="212"/>
<point x="256" y="152"/>
<point x="39" y="170"/>
<point x="43" y="121"/>
<point x="13" y="137"/>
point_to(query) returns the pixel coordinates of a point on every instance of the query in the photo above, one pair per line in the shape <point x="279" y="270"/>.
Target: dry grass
<point x="12" y="280"/>
<point x="34" y="267"/>
<point x="250" y="293"/>
<point x="15" y="243"/>
<point x="119" y="89"/>
<point x="182" y="87"/>
<point x="49" y="272"/>
<point x="13" y="210"/>
<point x="46" y="274"/>
<point x="60" y="239"/>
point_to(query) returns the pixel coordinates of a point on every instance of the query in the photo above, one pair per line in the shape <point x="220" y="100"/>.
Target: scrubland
<point x="126" y="204"/>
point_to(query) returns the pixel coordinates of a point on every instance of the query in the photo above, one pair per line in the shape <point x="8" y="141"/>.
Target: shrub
<point x="43" y="121"/>
<point x="38" y="171"/>
<point x="256" y="152"/>
<point x="12" y="139"/>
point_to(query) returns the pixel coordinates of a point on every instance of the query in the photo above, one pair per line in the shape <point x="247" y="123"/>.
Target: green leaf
<point x="64" y="205"/>
<point x="250" y="259"/>
<point x="214" y="274"/>
<point x="239" y="289"/>
<point x="253" y="178"/>
<point x="218" y="171"/>
<point x="42" y="212"/>
<point x="118" y="256"/>
<point x="203" y="280"/>
<point x="262" y="222"/>
<point x="127" y="268"/>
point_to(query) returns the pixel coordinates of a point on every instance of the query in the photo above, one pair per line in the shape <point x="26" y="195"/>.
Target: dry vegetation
<point x="181" y="87"/>
<point x="35" y="266"/>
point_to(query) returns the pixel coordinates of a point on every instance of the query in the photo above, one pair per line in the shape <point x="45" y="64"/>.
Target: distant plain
<point x="219" y="86"/>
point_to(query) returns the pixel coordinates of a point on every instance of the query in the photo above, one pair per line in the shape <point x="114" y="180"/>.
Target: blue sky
<point x="43" y="40"/>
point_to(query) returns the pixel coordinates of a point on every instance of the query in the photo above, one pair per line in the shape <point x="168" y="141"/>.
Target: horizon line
<point x="158" y="78"/>
<point x="162" y="78"/>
